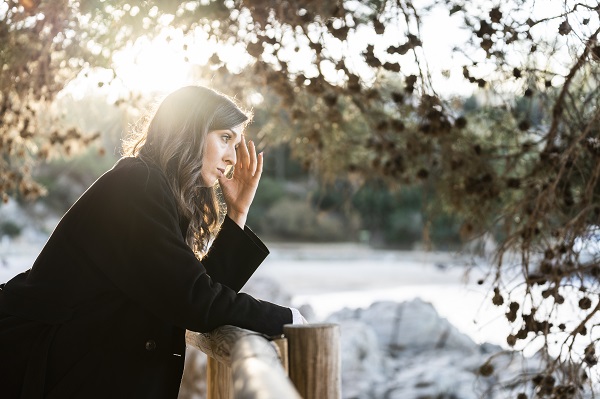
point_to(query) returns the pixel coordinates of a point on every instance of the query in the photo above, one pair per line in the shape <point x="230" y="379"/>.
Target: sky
<point x="159" y="65"/>
<point x="166" y="62"/>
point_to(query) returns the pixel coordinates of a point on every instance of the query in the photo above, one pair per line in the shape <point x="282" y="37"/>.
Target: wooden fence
<point x="242" y="364"/>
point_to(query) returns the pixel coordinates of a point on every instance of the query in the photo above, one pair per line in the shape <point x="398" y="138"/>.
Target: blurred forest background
<point x="389" y="122"/>
<point x="292" y="203"/>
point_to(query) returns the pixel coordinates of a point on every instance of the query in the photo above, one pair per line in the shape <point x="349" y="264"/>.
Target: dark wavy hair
<point x="174" y="140"/>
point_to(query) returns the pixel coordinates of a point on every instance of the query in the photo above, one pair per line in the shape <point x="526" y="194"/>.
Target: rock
<point x="363" y="368"/>
<point x="415" y="325"/>
<point x="437" y="374"/>
<point x="308" y="312"/>
<point x="407" y="351"/>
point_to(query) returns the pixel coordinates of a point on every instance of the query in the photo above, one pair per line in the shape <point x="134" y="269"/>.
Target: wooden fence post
<point x="314" y="359"/>
<point x="218" y="380"/>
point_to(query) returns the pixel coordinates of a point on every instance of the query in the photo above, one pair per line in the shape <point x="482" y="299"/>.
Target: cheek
<point x="210" y="152"/>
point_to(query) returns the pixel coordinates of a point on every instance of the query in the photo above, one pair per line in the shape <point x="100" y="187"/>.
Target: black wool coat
<point x="103" y="311"/>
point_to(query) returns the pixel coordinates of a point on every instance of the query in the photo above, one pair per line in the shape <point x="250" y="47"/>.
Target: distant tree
<point x="524" y="164"/>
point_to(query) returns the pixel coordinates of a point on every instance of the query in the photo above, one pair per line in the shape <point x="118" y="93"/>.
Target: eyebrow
<point x="236" y="135"/>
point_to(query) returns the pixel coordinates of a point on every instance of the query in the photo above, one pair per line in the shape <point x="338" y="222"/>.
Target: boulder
<point x="413" y="325"/>
<point x="407" y="351"/>
<point x="363" y="364"/>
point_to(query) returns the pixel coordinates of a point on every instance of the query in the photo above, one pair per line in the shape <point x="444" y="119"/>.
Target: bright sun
<point x="156" y="65"/>
<point x="159" y="65"/>
<point x="166" y="62"/>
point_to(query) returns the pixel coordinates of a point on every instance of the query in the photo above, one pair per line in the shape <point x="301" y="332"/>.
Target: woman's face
<point x="219" y="153"/>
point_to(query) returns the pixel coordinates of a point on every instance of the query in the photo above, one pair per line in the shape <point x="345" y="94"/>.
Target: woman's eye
<point x="226" y="138"/>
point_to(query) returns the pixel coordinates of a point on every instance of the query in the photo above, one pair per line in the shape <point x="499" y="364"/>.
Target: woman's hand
<point x="239" y="191"/>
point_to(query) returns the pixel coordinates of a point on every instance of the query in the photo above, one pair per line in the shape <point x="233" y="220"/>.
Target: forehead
<point x="239" y="130"/>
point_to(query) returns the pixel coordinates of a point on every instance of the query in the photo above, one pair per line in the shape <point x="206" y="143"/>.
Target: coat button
<point x="150" y="345"/>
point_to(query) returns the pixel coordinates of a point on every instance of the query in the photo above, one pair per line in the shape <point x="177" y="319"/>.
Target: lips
<point x="221" y="170"/>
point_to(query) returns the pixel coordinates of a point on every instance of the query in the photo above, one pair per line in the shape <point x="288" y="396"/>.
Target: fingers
<point x="248" y="159"/>
<point x="259" y="166"/>
<point x="253" y="161"/>
<point x="243" y="154"/>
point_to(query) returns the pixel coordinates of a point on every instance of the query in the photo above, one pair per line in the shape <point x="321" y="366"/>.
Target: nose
<point x="230" y="156"/>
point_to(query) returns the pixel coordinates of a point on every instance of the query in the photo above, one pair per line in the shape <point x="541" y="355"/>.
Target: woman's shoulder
<point x="132" y="175"/>
<point x="135" y="169"/>
<point x="134" y="165"/>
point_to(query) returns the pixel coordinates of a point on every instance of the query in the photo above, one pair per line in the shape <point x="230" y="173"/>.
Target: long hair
<point x="174" y="140"/>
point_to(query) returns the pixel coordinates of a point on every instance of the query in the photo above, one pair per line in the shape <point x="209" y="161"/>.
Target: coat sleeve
<point x="134" y="238"/>
<point x="230" y="264"/>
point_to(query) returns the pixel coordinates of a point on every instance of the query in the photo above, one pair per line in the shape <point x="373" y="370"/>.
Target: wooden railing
<point x="242" y="364"/>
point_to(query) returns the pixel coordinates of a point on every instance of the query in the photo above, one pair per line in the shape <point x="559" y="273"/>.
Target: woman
<point x="103" y="311"/>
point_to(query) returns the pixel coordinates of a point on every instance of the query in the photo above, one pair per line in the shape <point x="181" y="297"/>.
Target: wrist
<point x="238" y="218"/>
